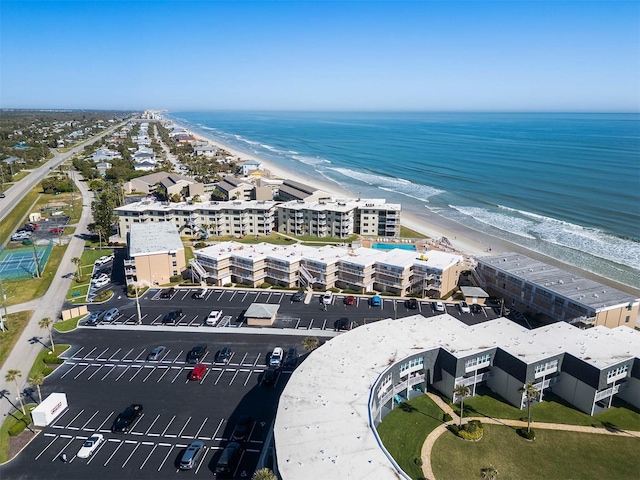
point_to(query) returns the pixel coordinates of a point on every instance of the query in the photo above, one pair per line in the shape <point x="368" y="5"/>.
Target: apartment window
<point x="175" y="272"/>
<point x="411" y="363"/>
<point x="475" y="361"/>
<point x="626" y="319"/>
<point x="173" y="254"/>
<point x="546" y="366"/>
<point x="617" y="371"/>
<point x="174" y="264"/>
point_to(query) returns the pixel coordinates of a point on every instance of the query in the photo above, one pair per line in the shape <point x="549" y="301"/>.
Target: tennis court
<point x="20" y="263"/>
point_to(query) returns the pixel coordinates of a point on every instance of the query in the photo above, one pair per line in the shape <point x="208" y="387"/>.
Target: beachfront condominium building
<point x="530" y="285"/>
<point x="340" y="218"/>
<point x="329" y="410"/>
<point x="399" y="272"/>
<point x="292" y="190"/>
<point x="155" y="255"/>
<point x="234" y="188"/>
<point x="237" y="218"/>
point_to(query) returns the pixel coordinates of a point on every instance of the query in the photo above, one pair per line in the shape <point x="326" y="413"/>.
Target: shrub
<point x="530" y="435"/>
<point x="418" y="461"/>
<point x="446" y="417"/>
<point x="17" y="428"/>
<point x="52" y="360"/>
<point x="471" y="430"/>
<point x="200" y="245"/>
<point x="47" y="371"/>
<point x="175" y="278"/>
<point x="228" y="285"/>
<point x="453" y="428"/>
<point x="265" y="285"/>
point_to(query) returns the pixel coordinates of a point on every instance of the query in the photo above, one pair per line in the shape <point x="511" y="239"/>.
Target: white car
<point x="213" y="318"/>
<point x="20" y="236"/>
<point x="276" y="357"/>
<point x="464" y="307"/>
<point x="327" y="297"/>
<point x="105" y="259"/>
<point x="438" y="306"/>
<point x="101" y="282"/>
<point x="90" y="445"/>
<point x="101" y="278"/>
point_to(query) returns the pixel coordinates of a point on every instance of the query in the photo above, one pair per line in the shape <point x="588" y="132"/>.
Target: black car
<point x="341" y="324"/>
<point x="200" y="294"/>
<point x="476" y="308"/>
<point x="29" y="228"/>
<point x="126" y="418"/>
<point x="173" y="316"/>
<point x="242" y="429"/>
<point x="224" y="355"/>
<point x="168" y="293"/>
<point x="229" y="458"/>
<point x="196" y="353"/>
<point x="298" y="296"/>
<point x="411" y="303"/>
<point x="269" y="377"/>
<point x="291" y="358"/>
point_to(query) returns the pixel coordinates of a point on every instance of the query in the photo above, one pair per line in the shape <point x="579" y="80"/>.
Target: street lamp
<point x="138" y="304"/>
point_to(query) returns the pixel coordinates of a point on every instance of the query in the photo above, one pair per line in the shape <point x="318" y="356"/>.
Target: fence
<point x="20" y="263"/>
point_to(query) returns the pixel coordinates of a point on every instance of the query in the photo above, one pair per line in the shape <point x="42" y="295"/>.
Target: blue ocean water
<point x="566" y="185"/>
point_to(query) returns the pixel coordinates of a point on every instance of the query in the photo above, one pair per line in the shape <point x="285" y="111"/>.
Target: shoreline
<point x="465" y="240"/>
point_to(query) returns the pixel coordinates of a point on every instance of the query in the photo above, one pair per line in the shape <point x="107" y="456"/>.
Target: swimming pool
<point x="391" y="246"/>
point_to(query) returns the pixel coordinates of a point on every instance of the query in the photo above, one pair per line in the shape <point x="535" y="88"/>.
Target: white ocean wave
<point x="507" y="223"/>
<point x="310" y="160"/>
<point x="392" y="184"/>
<point x="293" y="152"/>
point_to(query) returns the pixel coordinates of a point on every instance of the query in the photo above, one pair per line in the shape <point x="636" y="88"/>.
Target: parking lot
<point x="313" y="316"/>
<point x="106" y="371"/>
<point x="47" y="229"/>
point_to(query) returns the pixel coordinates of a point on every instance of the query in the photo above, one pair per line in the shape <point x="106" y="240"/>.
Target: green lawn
<point x="552" y="410"/>
<point x="14" y="325"/>
<point x="38" y="365"/>
<point x="9" y="422"/>
<point x="553" y="455"/>
<point x="18" y="213"/>
<point x="408" y="233"/>
<point x="404" y="430"/>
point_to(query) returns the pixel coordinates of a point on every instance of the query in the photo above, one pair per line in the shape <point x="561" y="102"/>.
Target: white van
<point x="213" y="318"/>
<point x="276" y="357"/>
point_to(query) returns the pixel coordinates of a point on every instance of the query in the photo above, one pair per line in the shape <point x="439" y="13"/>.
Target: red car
<point x="198" y="372"/>
<point x="350" y="300"/>
<point x="56" y="230"/>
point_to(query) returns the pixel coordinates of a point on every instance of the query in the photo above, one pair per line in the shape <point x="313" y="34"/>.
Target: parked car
<point x="29" y="228"/>
<point x="168" y="293"/>
<point x="375" y="301"/>
<point x="464" y="307"/>
<point x="438" y="306"/>
<point x="196" y="354"/>
<point x="269" y="377"/>
<point x="105" y="259"/>
<point x="200" y="294"/>
<point x="125" y="419"/>
<point x="19" y="236"/>
<point x="411" y="303"/>
<point x="327" y="298"/>
<point x="90" y="445"/>
<point x="291" y="358"/>
<point x="156" y="353"/>
<point x="341" y="324"/>
<point x="298" y="296"/>
<point x="111" y="314"/>
<point x="101" y="278"/>
<point x="476" y="308"/>
<point x="92" y="319"/>
<point x="276" y="357"/>
<point x="2" y="195"/>
<point x="103" y="281"/>
<point x="191" y="455"/>
<point x="224" y="355"/>
<point x="229" y="458"/>
<point x="213" y="318"/>
<point x="57" y="230"/>
<point x="350" y="300"/>
<point x="173" y="316"/>
<point x="198" y="372"/>
<point x="242" y="429"/>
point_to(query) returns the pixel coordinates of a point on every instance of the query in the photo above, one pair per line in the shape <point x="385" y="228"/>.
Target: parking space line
<point x="243" y="358"/>
<point x="139" y="369"/>
<point x="167" y="456"/>
<point x="185" y="426"/>
<point x="186" y="292"/>
<point x="309" y="327"/>
<point x="177" y="356"/>
<point x="69" y="371"/>
<point x="79" y="413"/>
<point x="105" y="421"/>
<point x="63" y="448"/>
<point x="177" y="375"/>
<point x="92" y="350"/>
<point x="297" y="323"/>
<point x="221" y="295"/>
<point x="123" y="372"/>
<point x="324" y="324"/>
<point x="202" y="460"/>
<point x="83" y="370"/>
<point x="95" y="454"/>
<point x="248" y="377"/>
<point x="193" y="320"/>
<point x="204" y="376"/>
<point x="87" y="422"/>
<point x="156" y="319"/>
<point x="235" y="472"/>
<point x="219" y="376"/>
<point x="131" y="454"/>
<point x="74" y="356"/>
<point x="110" y="370"/>
<point x="148" y="456"/>
<point x="100" y="368"/>
<point x="114" y="452"/>
<point x="149" y="374"/>
<point x="200" y="429"/>
<point x="216" y="432"/>
<point x="125" y="356"/>
<point x="167" y="428"/>
<point x="256" y="361"/>
<point x="166" y="369"/>
<point x="45" y="448"/>
<point x="102" y="353"/>
<point x="234" y="377"/>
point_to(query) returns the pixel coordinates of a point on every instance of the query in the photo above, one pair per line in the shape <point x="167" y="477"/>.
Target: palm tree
<point x="531" y="392"/>
<point x="36" y="381"/>
<point x="13" y="376"/>
<point x="263" y="474"/>
<point x="310" y="343"/>
<point x="489" y="473"/>
<point x="47" y="323"/>
<point x="461" y="391"/>
<point x="76" y="261"/>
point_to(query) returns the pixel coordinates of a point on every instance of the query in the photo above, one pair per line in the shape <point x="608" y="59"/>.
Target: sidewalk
<point x="24" y="353"/>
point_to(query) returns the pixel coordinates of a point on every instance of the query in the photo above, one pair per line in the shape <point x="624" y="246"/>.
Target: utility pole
<point x="35" y="259"/>
<point x="4" y="305"/>
<point x="138" y="304"/>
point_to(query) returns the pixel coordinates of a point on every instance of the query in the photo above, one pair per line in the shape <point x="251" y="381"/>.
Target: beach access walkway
<point x="427" y="446"/>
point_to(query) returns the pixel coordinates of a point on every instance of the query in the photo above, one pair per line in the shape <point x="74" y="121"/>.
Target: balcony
<point x="130" y="262"/>
<point x="473" y="380"/>
<point x="608" y="392"/>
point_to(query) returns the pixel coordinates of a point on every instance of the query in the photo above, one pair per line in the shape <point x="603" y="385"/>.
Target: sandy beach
<point x="464" y="240"/>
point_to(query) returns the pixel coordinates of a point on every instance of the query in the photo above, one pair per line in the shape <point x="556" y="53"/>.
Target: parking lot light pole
<point x="138" y="304"/>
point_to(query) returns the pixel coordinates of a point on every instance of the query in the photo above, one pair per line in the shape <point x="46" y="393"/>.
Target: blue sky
<point x="385" y="55"/>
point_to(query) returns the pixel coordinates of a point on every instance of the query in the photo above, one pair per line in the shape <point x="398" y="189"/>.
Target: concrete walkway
<point x="25" y="352"/>
<point x="435" y="434"/>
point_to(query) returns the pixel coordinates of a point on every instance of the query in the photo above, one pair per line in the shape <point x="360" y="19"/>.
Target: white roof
<point x="153" y="238"/>
<point x="322" y="428"/>
<point x="262" y="310"/>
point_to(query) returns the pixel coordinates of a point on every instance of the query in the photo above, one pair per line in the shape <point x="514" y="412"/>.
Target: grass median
<point x="15" y="323"/>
